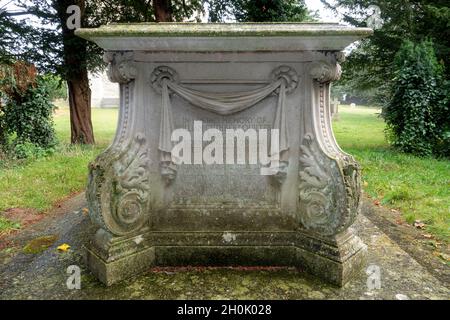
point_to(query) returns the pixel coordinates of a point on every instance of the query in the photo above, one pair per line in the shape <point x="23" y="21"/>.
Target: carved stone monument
<point x="201" y="80"/>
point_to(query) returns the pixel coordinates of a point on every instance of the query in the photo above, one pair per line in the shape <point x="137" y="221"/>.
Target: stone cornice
<point x="236" y="37"/>
<point x="223" y="30"/>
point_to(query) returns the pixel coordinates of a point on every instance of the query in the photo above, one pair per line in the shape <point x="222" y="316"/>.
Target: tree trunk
<point x="163" y="10"/>
<point x="76" y="74"/>
<point x="80" y="110"/>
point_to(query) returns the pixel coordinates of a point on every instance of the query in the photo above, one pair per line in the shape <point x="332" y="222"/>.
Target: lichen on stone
<point x="221" y="30"/>
<point x="40" y="244"/>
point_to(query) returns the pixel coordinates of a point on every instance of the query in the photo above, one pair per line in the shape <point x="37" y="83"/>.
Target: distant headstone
<point x="334" y="108"/>
<point x="353" y="105"/>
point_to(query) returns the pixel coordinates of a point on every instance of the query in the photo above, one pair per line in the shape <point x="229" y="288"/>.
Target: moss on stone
<point x="40" y="244"/>
<point x="222" y="30"/>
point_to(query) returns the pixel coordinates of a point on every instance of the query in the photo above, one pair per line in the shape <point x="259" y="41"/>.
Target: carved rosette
<point x="330" y="186"/>
<point x="121" y="66"/>
<point x="288" y="75"/>
<point x="163" y="73"/>
<point x="118" y="191"/>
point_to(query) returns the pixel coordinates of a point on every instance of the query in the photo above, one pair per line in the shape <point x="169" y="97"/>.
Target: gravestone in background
<point x="151" y="209"/>
<point x="334" y="109"/>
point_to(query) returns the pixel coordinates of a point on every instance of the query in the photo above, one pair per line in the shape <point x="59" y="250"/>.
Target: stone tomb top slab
<point x="198" y="37"/>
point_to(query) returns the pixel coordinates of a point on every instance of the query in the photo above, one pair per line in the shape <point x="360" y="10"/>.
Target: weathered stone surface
<point x="152" y="209"/>
<point x="119" y="269"/>
<point x="44" y="276"/>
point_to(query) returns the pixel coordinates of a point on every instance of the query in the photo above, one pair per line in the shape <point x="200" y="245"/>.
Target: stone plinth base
<point x="110" y="272"/>
<point x="335" y="261"/>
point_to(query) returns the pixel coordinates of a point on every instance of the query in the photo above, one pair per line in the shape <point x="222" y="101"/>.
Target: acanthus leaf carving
<point x="351" y="173"/>
<point x="340" y="56"/>
<point x="316" y="207"/>
<point x="121" y="66"/>
<point x="119" y="190"/>
<point x="323" y="71"/>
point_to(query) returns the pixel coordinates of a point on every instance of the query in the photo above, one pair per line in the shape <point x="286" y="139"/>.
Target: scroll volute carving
<point x="118" y="191"/>
<point x="317" y="193"/>
<point x="121" y="67"/>
<point x="324" y="71"/>
<point x="329" y="197"/>
<point x="329" y="179"/>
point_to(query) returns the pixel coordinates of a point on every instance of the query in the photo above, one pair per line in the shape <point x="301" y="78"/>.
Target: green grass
<point x="418" y="187"/>
<point x="6" y="225"/>
<point x="41" y="183"/>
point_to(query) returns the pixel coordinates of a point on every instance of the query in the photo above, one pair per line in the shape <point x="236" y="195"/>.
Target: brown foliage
<point x="16" y="78"/>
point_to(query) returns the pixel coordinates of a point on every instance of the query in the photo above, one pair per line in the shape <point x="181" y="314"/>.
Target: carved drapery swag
<point x="165" y="81"/>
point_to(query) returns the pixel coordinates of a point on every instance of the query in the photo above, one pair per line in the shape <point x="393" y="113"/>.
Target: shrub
<point x="3" y="128"/>
<point x="27" y="119"/>
<point x="56" y="86"/>
<point x="417" y="114"/>
<point x="27" y="150"/>
<point x="16" y="78"/>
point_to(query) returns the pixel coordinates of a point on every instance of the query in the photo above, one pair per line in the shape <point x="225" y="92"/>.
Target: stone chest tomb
<point x="187" y="180"/>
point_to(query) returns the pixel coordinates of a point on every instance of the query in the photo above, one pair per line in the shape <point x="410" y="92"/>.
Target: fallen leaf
<point x="85" y="211"/>
<point x="427" y="235"/>
<point x="64" y="247"/>
<point x="444" y="256"/>
<point x="366" y="184"/>
<point x="419" y="224"/>
<point x="377" y="203"/>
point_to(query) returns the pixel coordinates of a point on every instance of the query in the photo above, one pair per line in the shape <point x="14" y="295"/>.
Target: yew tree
<point x="46" y="40"/>
<point x="38" y="32"/>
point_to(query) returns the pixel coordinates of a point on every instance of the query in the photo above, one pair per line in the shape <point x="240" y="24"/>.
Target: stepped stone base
<point x="335" y="261"/>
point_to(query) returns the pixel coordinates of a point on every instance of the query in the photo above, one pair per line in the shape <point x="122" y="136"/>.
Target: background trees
<point x="370" y="71"/>
<point x="258" y="10"/>
<point x="404" y="67"/>
<point x="74" y="69"/>
<point x="372" y="63"/>
<point x="26" y="126"/>
<point x="417" y="114"/>
<point x="53" y="47"/>
<point x="47" y="41"/>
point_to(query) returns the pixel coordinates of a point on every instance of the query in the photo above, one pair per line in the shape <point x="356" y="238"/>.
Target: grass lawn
<point x="418" y="187"/>
<point x="41" y="183"/>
